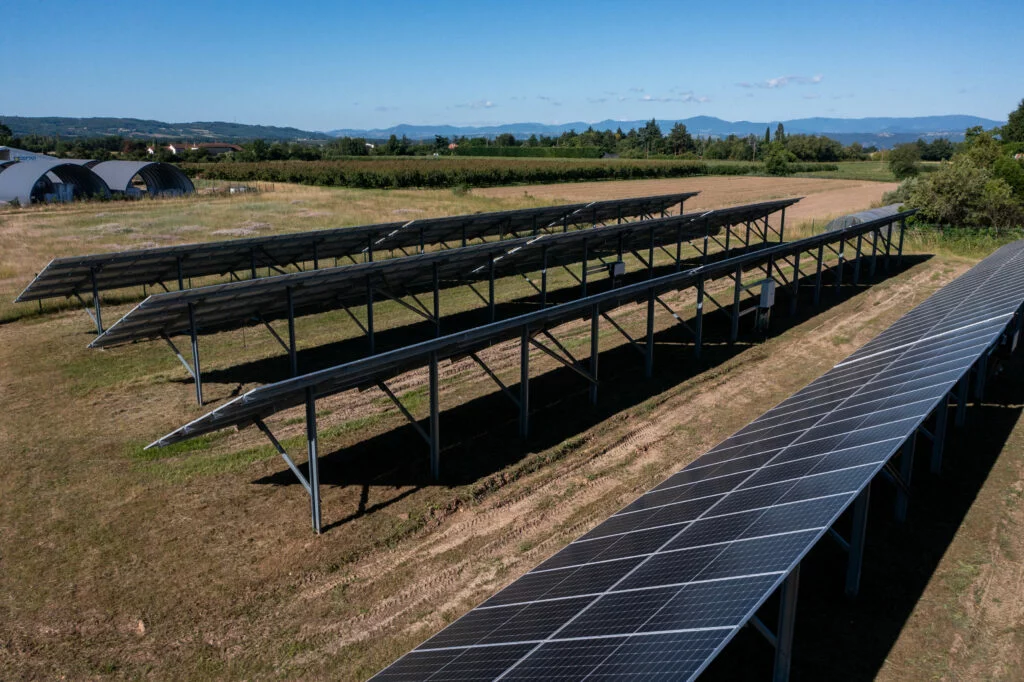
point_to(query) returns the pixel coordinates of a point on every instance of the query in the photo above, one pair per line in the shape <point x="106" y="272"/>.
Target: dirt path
<point x="822" y="198"/>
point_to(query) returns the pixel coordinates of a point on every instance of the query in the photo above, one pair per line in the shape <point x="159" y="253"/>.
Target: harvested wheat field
<point x="197" y="561"/>
<point x="823" y="199"/>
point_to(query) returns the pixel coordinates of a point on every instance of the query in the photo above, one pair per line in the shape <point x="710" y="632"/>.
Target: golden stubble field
<point x="198" y="562"/>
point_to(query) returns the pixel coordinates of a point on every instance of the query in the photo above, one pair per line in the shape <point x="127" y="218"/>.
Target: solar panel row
<point x="271" y="398"/>
<point x="66" y="277"/>
<point x="659" y="588"/>
<point x="228" y="306"/>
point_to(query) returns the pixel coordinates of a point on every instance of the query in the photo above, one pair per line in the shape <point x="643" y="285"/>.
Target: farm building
<point x="46" y="179"/>
<point x="135" y="177"/>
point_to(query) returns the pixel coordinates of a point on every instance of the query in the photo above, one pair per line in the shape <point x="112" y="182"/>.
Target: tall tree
<point x="780" y="134"/>
<point x="767" y="135"/>
<point x="680" y="140"/>
<point x="1013" y="131"/>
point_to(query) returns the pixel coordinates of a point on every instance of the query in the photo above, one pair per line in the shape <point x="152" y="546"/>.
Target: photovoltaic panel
<point x="65" y="277"/>
<point x="229" y="306"/>
<point x="266" y="400"/>
<point x="657" y="590"/>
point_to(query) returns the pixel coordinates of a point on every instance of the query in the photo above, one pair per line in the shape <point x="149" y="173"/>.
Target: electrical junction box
<point x="617" y="269"/>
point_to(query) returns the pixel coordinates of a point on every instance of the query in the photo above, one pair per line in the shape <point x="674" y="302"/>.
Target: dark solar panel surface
<point x="266" y="400"/>
<point x="228" y="306"/>
<point x="71" y="275"/>
<point x="658" y="589"/>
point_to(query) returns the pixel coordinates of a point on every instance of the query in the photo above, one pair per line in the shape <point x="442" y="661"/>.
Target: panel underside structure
<point x="656" y="590"/>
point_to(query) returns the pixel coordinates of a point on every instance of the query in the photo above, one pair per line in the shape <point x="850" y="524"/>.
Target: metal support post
<point x="856" y="262"/>
<point x="583" y="275"/>
<point x="899" y="249"/>
<point x="435" y="420"/>
<point x="316" y="256"/>
<point x="888" y="249"/>
<point x="782" y="225"/>
<point x="437" y="301"/>
<point x="369" y="315"/>
<point x="594" y="351"/>
<point x="490" y="289"/>
<point x="796" y="285"/>
<point x="252" y="266"/>
<point x="735" y="331"/>
<point x="194" y="337"/>
<point x="839" y="268"/>
<point x="939" y="434"/>
<point x="961" y="401"/>
<point x="524" y="383"/>
<point x="369" y="248"/>
<point x="544" y="277"/>
<point x="980" y="376"/>
<point x="292" y="349"/>
<point x="96" y="302"/>
<point x="650" y="254"/>
<point x="906" y="472"/>
<point x="787" y="620"/>
<point x="857" y="536"/>
<point x="679" y="247"/>
<point x="698" y="322"/>
<point x="649" y="346"/>
<point x="874" y="254"/>
<point x="817" y="275"/>
<point x="181" y="275"/>
<point x="314" y="465"/>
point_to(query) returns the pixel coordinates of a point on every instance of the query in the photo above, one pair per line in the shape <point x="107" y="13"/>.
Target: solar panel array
<point x="657" y="590"/>
<point x="227" y="306"/>
<point x="64" y="277"/>
<point x="265" y="400"/>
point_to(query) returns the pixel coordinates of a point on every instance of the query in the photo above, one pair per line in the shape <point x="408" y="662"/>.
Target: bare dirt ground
<point x="198" y="562"/>
<point x="823" y="198"/>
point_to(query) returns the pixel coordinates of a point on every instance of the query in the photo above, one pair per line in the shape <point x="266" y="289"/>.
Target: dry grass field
<point x="197" y="562"/>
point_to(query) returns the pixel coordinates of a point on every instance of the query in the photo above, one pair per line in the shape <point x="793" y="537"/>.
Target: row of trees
<point x="981" y="186"/>
<point x="647" y="141"/>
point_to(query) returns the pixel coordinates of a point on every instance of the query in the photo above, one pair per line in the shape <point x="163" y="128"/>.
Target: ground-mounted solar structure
<point x="250" y="258"/>
<point x="45" y="179"/>
<point x="656" y="591"/>
<point x="238" y="304"/>
<point x="756" y="271"/>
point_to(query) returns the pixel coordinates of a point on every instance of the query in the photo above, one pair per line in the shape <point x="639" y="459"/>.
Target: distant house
<point x="179" y="148"/>
<point x="1019" y="157"/>
<point x="217" y="148"/>
<point x="453" y="146"/>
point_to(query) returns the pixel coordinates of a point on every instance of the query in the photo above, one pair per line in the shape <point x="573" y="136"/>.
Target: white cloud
<point x="478" y="104"/>
<point x="684" y="97"/>
<point x="782" y="81"/>
<point x="636" y="89"/>
<point x="550" y="100"/>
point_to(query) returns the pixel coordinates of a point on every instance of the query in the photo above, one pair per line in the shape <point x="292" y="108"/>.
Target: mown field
<point x="197" y="562"/>
<point x="430" y="172"/>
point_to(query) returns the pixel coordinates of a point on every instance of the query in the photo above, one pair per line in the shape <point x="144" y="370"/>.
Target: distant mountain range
<point x="198" y="131"/>
<point x="879" y="131"/>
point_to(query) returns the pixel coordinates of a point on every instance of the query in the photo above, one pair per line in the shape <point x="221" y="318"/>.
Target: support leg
<point x="906" y="472"/>
<point x="961" y="401"/>
<point x="939" y="434"/>
<point x="292" y="349"/>
<point x="524" y="384"/>
<point x="314" y="465"/>
<point x="435" y="420"/>
<point x="734" y="333"/>
<point x="856" y="262"/>
<point x="649" y="345"/>
<point x="787" y="620"/>
<point x="594" y="351"/>
<point x="817" y="276"/>
<point x="96" y="303"/>
<point x="698" y="322"/>
<point x="194" y="337"/>
<point x="796" y="285"/>
<point x="369" y="316"/>
<point x="857" y="536"/>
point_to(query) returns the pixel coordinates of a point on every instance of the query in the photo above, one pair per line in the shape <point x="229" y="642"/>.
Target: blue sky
<point x="326" y="65"/>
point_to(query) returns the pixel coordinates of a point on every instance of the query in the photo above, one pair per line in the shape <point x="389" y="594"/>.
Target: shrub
<point x="903" y="161"/>
<point x="777" y="163"/>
